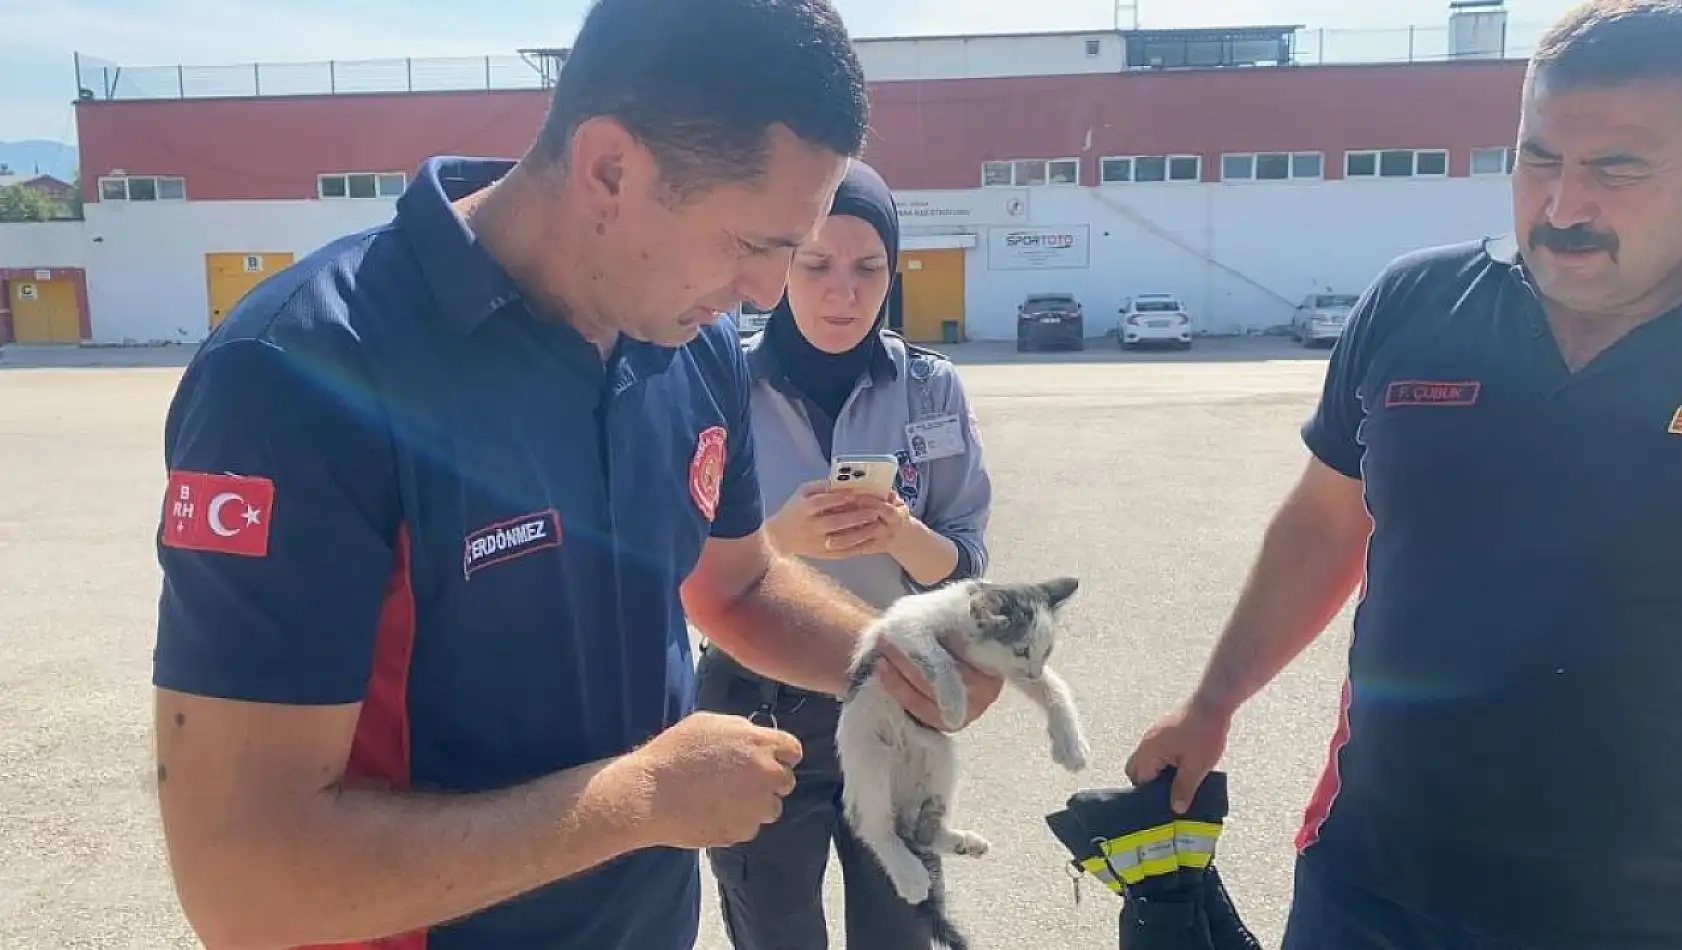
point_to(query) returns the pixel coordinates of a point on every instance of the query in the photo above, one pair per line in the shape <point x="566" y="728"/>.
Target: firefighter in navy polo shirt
<point x="443" y="493"/>
<point x="1506" y="768"/>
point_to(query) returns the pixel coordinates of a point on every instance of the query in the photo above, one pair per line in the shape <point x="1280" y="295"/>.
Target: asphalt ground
<point x="1148" y="476"/>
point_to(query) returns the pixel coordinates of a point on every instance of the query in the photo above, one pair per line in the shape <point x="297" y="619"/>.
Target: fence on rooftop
<point x="99" y="80"/>
<point x="103" y="80"/>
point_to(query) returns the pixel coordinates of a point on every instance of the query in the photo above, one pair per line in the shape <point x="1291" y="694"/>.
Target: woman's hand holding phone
<point x="826" y="522"/>
<point x="893" y="518"/>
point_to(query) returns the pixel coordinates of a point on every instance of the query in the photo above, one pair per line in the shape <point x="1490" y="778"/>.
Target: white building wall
<point x="977" y="57"/>
<point x="46" y="244"/>
<point x="146" y="262"/>
<point x="1242" y="255"/>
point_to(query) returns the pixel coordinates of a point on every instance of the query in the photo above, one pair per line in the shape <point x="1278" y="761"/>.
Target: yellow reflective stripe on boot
<point x="1154" y="852"/>
<point x="1136" y="856"/>
<point x="1194" y="842"/>
<point x="1096" y="868"/>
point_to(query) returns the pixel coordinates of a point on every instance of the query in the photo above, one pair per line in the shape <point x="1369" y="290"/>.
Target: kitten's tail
<point x="933" y="908"/>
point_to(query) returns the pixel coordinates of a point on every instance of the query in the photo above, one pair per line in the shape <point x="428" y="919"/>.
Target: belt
<point x="771" y="692"/>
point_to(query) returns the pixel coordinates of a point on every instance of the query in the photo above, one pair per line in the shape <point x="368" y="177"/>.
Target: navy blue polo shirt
<point x="392" y="484"/>
<point x="1509" y="754"/>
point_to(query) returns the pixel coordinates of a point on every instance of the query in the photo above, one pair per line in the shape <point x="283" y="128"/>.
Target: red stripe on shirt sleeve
<point x="379" y="754"/>
<point x="1325" y="791"/>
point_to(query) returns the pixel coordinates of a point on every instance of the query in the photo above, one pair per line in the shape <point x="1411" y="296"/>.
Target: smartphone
<point x="870" y="473"/>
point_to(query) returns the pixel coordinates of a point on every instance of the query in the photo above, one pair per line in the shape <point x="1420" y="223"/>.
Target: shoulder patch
<point x="914" y="350"/>
<point x="924" y="352"/>
<point x="218" y="513"/>
<point x="907" y="478"/>
<point x="706" y="471"/>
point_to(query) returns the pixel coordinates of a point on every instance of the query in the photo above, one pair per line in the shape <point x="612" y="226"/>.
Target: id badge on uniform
<point x="936" y="438"/>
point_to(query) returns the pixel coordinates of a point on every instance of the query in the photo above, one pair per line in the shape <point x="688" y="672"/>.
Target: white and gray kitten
<point x="898" y="774"/>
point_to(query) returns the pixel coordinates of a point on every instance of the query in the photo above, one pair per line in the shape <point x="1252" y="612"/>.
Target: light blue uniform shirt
<point x="951" y="494"/>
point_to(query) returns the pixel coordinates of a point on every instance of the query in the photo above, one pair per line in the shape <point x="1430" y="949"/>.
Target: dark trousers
<point x="1328" y="913"/>
<point x="771" y="888"/>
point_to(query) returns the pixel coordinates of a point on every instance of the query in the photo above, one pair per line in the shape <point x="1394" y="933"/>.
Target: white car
<point x="1319" y="319"/>
<point x="749" y="319"/>
<point x="1155" y="318"/>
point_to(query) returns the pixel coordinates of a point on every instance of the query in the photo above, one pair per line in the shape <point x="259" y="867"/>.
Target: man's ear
<point x="602" y="162"/>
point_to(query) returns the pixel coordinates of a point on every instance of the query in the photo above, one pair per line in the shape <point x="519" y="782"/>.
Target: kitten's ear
<point x="1058" y="590"/>
<point x="987" y="605"/>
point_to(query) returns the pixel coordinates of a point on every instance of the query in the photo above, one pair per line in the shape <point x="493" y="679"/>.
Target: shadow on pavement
<point x="1106" y="350"/>
<point x="1098" y="350"/>
<point x="28" y="356"/>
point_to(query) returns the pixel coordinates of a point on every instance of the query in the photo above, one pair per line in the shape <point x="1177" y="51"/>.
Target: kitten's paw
<point x="1071" y="751"/>
<point x="911" y="880"/>
<point x="969" y="844"/>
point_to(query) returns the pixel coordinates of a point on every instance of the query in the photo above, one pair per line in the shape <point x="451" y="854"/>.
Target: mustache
<point x="1578" y="237"/>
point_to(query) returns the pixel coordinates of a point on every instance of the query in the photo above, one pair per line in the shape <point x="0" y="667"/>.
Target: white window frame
<point x="1507" y="154"/>
<point x="125" y="183"/>
<point x="1167" y="169"/>
<point x="1103" y="179"/>
<point x="990" y="166"/>
<point x="1254" y="159"/>
<point x="1045" y="165"/>
<point x="1074" y="162"/>
<point x="1447" y="167"/>
<point x="380" y="180"/>
<point x="1377" y="155"/>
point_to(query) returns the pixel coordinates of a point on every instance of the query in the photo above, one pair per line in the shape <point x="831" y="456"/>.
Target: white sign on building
<point x="962" y="208"/>
<point x="1052" y="248"/>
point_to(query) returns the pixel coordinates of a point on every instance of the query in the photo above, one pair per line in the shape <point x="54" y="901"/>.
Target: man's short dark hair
<point x="1607" y="43"/>
<point x="701" y="82"/>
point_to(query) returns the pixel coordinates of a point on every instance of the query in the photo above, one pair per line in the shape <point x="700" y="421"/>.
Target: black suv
<point x="1050" y="319"/>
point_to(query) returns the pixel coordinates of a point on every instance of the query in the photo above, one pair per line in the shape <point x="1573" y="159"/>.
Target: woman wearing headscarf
<point x="829" y="378"/>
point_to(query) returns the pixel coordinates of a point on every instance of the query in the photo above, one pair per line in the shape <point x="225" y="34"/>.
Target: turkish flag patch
<point x="220" y="514"/>
<point x="706" y="471"/>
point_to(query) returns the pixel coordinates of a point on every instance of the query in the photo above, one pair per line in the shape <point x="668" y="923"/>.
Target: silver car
<point x="749" y="319"/>
<point x="1319" y="319"/>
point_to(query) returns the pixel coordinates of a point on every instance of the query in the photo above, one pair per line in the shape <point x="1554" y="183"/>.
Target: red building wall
<point x="937" y="134"/>
<point x="255" y="148"/>
<point x="930" y="134"/>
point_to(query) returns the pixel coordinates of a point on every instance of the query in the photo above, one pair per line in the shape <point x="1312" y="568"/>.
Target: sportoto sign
<point x="1048" y="248"/>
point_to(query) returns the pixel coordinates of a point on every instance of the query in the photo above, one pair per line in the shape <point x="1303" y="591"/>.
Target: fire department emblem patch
<point x="905" y="482"/>
<point x="706" y="471"/>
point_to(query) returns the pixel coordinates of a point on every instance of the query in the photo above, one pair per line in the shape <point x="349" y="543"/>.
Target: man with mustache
<point x="1499" y="446"/>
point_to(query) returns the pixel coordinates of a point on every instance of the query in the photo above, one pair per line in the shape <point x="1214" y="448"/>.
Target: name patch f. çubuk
<point x="506" y="540"/>
<point x="1419" y="392"/>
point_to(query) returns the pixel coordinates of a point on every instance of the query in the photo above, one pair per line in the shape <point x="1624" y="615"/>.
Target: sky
<point x="40" y="37"/>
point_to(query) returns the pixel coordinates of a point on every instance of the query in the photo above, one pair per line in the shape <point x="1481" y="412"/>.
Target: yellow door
<point x="934" y="293"/>
<point x="231" y="276"/>
<point x="44" y="311"/>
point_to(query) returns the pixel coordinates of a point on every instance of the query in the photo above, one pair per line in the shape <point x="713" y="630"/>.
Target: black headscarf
<point x="828" y="378"/>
